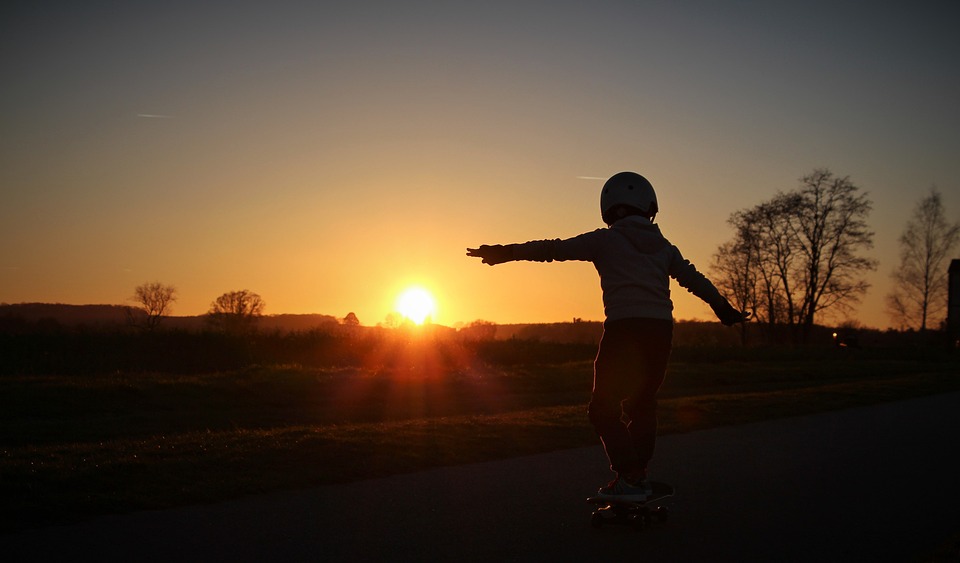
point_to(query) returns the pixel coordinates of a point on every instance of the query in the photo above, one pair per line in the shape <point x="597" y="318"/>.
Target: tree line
<point x="800" y="255"/>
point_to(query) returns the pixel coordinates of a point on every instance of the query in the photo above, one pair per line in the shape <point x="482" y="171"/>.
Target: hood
<point x="644" y="235"/>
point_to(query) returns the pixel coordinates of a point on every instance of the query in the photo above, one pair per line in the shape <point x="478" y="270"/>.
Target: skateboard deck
<point x="639" y="515"/>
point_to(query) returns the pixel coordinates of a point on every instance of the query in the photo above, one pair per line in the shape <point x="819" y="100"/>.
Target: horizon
<point x="329" y="158"/>
<point x="454" y="325"/>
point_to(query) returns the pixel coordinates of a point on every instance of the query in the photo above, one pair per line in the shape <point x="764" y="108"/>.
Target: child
<point x="635" y="263"/>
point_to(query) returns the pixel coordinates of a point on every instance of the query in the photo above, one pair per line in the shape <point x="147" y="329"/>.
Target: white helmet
<point x="630" y="189"/>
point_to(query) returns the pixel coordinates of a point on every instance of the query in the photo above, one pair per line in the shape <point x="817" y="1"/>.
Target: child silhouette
<point x="635" y="263"/>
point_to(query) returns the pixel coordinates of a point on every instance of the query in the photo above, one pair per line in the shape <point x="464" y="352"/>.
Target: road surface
<point x="879" y="483"/>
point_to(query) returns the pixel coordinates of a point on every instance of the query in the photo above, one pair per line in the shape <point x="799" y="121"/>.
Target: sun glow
<point x="416" y="304"/>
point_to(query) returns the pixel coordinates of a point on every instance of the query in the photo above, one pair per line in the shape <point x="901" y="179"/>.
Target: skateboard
<point x="638" y="515"/>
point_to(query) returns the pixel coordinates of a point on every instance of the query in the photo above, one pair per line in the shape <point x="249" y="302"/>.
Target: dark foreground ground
<point x="877" y="483"/>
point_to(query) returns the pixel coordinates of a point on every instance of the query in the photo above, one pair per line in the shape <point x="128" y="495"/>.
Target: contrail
<point x="590" y="178"/>
<point x="154" y="116"/>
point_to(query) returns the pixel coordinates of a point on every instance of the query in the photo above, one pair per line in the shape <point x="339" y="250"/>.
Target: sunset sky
<point x="327" y="155"/>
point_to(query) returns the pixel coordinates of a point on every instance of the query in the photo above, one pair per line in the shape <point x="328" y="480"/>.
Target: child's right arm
<point x="580" y="247"/>
<point x="492" y="254"/>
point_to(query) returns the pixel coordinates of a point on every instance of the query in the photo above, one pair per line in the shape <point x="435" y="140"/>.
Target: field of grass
<point x="73" y="447"/>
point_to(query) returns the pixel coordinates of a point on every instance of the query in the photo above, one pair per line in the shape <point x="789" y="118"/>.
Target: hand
<point x="492" y="254"/>
<point x="730" y="316"/>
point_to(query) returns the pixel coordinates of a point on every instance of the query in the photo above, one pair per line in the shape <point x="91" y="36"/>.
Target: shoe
<point x="621" y="489"/>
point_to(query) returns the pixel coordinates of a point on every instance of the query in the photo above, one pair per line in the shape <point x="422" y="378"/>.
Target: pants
<point x="630" y="367"/>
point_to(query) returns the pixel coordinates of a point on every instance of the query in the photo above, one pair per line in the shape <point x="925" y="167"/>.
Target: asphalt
<point x="878" y="483"/>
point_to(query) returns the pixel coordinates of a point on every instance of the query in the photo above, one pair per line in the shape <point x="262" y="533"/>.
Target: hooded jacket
<point x="635" y="263"/>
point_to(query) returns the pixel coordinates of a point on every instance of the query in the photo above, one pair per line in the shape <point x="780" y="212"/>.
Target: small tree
<point x="392" y="320"/>
<point x="236" y="311"/>
<point x="919" y="298"/>
<point x="351" y="319"/>
<point x="154" y="300"/>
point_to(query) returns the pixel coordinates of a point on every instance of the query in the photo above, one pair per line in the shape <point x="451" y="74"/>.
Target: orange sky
<point x="328" y="157"/>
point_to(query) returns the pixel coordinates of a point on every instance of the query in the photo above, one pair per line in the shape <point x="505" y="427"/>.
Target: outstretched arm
<point x="492" y="254"/>
<point x="580" y="247"/>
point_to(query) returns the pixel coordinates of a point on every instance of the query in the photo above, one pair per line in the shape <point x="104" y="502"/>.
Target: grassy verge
<point x="73" y="448"/>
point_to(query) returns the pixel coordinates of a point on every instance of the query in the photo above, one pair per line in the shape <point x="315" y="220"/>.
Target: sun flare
<point x="416" y="304"/>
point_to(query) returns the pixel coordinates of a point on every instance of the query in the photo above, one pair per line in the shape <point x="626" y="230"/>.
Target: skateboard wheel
<point x="597" y="520"/>
<point x="638" y="523"/>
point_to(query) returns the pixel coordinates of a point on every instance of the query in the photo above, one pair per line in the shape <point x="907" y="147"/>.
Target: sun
<point x="416" y="304"/>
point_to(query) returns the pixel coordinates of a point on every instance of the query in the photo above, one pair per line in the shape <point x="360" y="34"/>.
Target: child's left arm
<point x="696" y="283"/>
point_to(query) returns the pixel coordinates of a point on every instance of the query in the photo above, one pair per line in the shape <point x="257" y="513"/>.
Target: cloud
<point x="154" y="116"/>
<point x="590" y="178"/>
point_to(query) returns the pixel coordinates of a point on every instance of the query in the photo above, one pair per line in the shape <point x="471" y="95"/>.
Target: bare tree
<point x="919" y="298"/>
<point x="831" y="229"/>
<point x="236" y="311"/>
<point x="154" y="300"/>
<point x="753" y="269"/>
<point x="798" y="254"/>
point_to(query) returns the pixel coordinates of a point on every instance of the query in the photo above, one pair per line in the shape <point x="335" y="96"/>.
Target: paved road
<point x="869" y="484"/>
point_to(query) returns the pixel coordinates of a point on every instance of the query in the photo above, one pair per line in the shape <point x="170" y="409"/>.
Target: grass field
<point x="75" y="447"/>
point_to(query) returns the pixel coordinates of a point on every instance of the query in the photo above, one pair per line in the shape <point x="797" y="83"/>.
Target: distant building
<point x="953" y="302"/>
